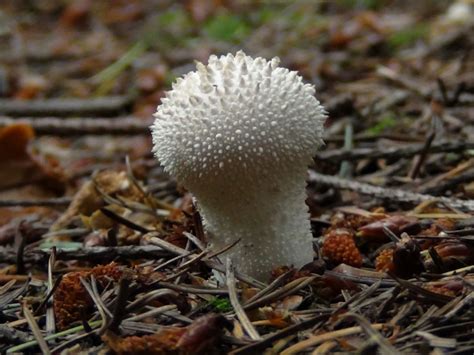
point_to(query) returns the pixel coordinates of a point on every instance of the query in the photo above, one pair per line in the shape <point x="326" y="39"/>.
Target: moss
<point x="226" y="27"/>
<point x="388" y="121"/>
<point x="408" y="36"/>
<point x="221" y="304"/>
<point x="362" y="4"/>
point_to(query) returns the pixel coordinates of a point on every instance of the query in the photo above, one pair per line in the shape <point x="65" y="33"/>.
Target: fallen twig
<point x="239" y="311"/>
<point x="193" y="289"/>
<point x="419" y="160"/>
<point x="321" y="338"/>
<point x="120" y="303"/>
<point x="293" y="329"/>
<point x="337" y="155"/>
<point x="36" y="331"/>
<point x="80" y="126"/>
<point x="451" y="183"/>
<point x="104" y="106"/>
<point x="93" y="254"/>
<point x="17" y="348"/>
<point x="290" y="288"/>
<point x="50" y="202"/>
<point x="383" y="344"/>
<point x="387" y="193"/>
<point x="404" y="81"/>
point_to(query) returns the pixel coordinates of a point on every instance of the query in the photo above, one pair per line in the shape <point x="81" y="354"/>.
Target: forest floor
<point x="100" y="250"/>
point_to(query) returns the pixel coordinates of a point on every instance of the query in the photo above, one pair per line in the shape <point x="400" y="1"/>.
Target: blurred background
<point x="389" y="72"/>
<point x="85" y="48"/>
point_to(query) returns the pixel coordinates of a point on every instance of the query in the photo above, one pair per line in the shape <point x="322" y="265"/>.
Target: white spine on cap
<point x="239" y="133"/>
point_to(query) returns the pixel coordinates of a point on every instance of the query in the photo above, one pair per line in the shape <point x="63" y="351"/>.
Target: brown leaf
<point x="75" y="14"/>
<point x="202" y="334"/>
<point x="453" y="249"/>
<point x="397" y="224"/>
<point x="197" y="338"/>
<point x="14" y="141"/>
<point x="88" y="200"/>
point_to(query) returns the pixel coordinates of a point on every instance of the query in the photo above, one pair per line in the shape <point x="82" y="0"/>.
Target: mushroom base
<point x="271" y="221"/>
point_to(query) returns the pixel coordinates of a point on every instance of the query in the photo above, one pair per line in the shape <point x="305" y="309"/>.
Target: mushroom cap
<point x="237" y="117"/>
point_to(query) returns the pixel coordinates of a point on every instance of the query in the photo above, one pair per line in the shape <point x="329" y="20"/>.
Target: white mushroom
<point x="239" y="133"/>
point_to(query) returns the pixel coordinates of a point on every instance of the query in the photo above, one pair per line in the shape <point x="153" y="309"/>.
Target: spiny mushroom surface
<point x="239" y="134"/>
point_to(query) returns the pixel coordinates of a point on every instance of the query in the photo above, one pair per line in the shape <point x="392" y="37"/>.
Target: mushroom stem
<point x="269" y="216"/>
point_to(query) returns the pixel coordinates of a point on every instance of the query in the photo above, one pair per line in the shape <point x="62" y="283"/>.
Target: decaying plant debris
<point x="102" y="252"/>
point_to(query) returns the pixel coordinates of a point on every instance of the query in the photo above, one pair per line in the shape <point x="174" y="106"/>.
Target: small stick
<point x="151" y="313"/>
<point x="50" y="318"/>
<point x="122" y="220"/>
<point x="288" y="289"/>
<point x="461" y="87"/>
<point x="223" y="249"/>
<point x="17" y="348"/>
<point x="173" y="260"/>
<point x="420" y="159"/>
<point x="196" y="258"/>
<point x="197" y="221"/>
<point x="404" y="81"/>
<point x="98" y="254"/>
<point x="384" y="345"/>
<point x="120" y="304"/>
<point x="466" y="303"/>
<point x="321" y="338"/>
<point x="20" y="242"/>
<point x="346" y="168"/>
<point x="81" y="126"/>
<point x="275" y="283"/>
<point x="69" y="343"/>
<point x="107" y="106"/>
<point x="465" y="269"/>
<point x="148" y="298"/>
<point x="152" y="238"/>
<point x="197" y="242"/>
<point x="451" y="183"/>
<point x="365" y="137"/>
<point x="443" y="91"/>
<point x="336" y="155"/>
<point x="385" y="192"/>
<point x="48" y="296"/>
<point x="50" y="202"/>
<point x="325" y="348"/>
<point x="95" y="296"/>
<point x="36" y="331"/>
<point x="241" y="277"/>
<point x="292" y="329"/>
<point x="239" y="311"/>
<point x="193" y="289"/>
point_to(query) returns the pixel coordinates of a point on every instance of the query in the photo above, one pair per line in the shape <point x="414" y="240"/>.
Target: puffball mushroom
<point x="239" y="134"/>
